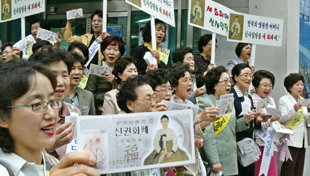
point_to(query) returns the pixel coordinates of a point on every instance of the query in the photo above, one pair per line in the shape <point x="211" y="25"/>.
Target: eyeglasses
<point x="247" y="75"/>
<point x="39" y="107"/>
<point x="99" y="21"/>
<point x="225" y="81"/>
<point x="148" y="98"/>
<point x="266" y="85"/>
<point x="164" y="90"/>
<point x="216" y="46"/>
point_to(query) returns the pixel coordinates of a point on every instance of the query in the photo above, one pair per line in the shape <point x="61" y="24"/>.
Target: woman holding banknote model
<point x="293" y="117"/>
<point x="219" y="144"/>
<point x="28" y="113"/>
<point x="112" y="48"/>
<point x="181" y="82"/>
<point x="263" y="82"/>
<point x="144" y="50"/>
<point x="90" y="40"/>
<point x="242" y="78"/>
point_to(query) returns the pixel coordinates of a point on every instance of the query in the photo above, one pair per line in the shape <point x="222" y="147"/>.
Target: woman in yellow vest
<point x="293" y="117"/>
<point x="88" y="39"/>
<point x="219" y="144"/>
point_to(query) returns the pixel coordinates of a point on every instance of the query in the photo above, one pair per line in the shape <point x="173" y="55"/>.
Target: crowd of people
<point x="38" y="92"/>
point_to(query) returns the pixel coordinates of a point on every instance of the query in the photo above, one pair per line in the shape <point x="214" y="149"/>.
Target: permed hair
<point x="213" y="77"/>
<point x="127" y="91"/>
<point x="259" y="75"/>
<point x="179" y="53"/>
<point x="292" y="79"/>
<point x="120" y="66"/>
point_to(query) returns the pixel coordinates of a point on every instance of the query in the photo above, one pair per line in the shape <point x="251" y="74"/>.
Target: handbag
<point x="9" y="171"/>
<point x="308" y="130"/>
<point x="248" y="152"/>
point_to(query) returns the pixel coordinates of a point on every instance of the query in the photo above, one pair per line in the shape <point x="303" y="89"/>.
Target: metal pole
<point x="104" y="15"/>
<point x="23" y="26"/>
<point x="213" y="48"/>
<point x="154" y="47"/>
<point x="252" y="60"/>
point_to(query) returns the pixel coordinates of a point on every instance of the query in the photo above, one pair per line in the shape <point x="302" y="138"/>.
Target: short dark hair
<point x="96" y="12"/>
<point x="77" y="58"/>
<point x="120" y="65"/>
<point x="40" y="45"/>
<point x="291" y="79"/>
<point x="113" y="40"/>
<point x="164" y="117"/>
<point x="17" y="76"/>
<point x="213" y="77"/>
<point x="259" y="75"/>
<point x="146" y="33"/>
<point x="127" y="91"/>
<point x="203" y="40"/>
<point x="179" y="53"/>
<point x="51" y="55"/>
<point x="43" y="23"/>
<point x="10" y="44"/>
<point x="237" y="70"/>
<point x="157" y="77"/>
<point x="176" y="72"/>
<point x="239" y="48"/>
<point x="81" y="47"/>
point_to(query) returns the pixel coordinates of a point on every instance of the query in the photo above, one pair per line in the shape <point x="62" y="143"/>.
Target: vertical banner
<point x="161" y="9"/>
<point x="255" y="29"/>
<point x="209" y="15"/>
<point x="304" y="44"/>
<point x="14" y="9"/>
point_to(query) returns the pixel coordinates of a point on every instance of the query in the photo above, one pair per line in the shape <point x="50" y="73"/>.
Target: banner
<point x="137" y="141"/>
<point x="161" y="9"/>
<point x="14" y="9"/>
<point x="209" y="15"/>
<point x="255" y="29"/>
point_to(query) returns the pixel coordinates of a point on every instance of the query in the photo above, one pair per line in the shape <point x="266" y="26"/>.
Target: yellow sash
<point x="163" y="52"/>
<point x="164" y="55"/>
<point x="292" y="124"/>
<point x="220" y="124"/>
<point x="83" y="82"/>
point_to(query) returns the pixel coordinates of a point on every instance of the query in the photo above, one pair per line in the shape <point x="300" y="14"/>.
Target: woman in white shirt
<point x="293" y="117"/>
<point x="28" y="113"/>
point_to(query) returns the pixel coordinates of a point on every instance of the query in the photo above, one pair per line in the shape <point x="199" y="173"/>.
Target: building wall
<point x="279" y="60"/>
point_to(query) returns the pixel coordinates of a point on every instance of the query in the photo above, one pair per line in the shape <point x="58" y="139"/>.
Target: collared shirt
<point x="265" y="125"/>
<point x="20" y="167"/>
<point x="75" y="99"/>
<point x="245" y="96"/>
<point x="232" y="63"/>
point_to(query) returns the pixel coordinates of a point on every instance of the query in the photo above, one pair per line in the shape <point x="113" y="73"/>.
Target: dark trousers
<point x="246" y="171"/>
<point x="295" y="167"/>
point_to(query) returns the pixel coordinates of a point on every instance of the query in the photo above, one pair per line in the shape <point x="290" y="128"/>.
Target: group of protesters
<point x="42" y="85"/>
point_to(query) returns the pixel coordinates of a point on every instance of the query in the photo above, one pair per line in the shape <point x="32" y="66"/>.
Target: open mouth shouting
<point x="76" y="79"/>
<point x="189" y="90"/>
<point x="59" y="92"/>
<point x="49" y="129"/>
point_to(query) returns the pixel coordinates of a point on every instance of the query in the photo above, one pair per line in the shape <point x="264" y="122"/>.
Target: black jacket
<point x="138" y="53"/>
